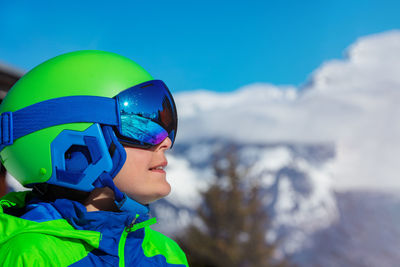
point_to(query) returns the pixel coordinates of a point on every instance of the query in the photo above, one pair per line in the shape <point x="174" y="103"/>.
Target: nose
<point x="165" y="144"/>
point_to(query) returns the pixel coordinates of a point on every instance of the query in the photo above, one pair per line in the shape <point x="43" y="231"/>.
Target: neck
<point x="101" y="199"/>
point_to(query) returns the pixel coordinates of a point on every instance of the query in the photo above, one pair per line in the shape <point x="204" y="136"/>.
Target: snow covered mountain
<point x="295" y="187"/>
<point x="366" y="234"/>
<point x="316" y="224"/>
<point x="327" y="155"/>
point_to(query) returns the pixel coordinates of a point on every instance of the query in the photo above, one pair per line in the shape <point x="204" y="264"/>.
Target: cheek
<point x="136" y="164"/>
<point x="137" y="181"/>
<point x="132" y="169"/>
<point x="132" y="173"/>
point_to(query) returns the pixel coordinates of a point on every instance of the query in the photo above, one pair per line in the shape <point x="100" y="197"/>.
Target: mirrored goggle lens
<point x="147" y="114"/>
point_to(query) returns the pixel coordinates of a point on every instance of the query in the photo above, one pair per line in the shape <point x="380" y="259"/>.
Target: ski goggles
<point x="147" y="114"/>
<point x="141" y="116"/>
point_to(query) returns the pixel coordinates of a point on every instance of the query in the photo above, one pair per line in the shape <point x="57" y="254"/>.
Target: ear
<point x="79" y="158"/>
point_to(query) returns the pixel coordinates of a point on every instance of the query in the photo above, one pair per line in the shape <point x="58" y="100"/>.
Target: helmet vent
<point x="77" y="158"/>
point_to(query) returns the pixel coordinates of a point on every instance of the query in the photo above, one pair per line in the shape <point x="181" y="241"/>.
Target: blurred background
<point x="288" y="148"/>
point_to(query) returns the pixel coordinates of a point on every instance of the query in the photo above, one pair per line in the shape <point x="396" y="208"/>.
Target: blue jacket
<point x="43" y="236"/>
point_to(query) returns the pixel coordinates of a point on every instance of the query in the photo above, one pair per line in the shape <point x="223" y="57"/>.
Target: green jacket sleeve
<point x="37" y="250"/>
<point x="156" y="243"/>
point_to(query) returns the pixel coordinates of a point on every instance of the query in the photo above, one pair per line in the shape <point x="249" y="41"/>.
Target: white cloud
<point x="351" y="102"/>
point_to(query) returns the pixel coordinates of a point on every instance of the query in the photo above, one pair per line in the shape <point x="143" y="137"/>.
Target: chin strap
<point x="118" y="156"/>
<point x="123" y="202"/>
<point x="130" y="205"/>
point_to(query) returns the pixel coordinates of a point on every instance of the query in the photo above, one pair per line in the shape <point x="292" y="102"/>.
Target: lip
<point x="163" y="164"/>
<point x="159" y="171"/>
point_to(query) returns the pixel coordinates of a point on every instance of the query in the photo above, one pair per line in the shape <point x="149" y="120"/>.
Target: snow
<point x="272" y="159"/>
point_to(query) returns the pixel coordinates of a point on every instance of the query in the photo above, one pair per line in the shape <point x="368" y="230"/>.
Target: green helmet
<point x="30" y="158"/>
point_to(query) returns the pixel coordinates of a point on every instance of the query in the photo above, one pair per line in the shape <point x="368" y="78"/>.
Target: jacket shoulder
<point x="155" y="244"/>
<point x="37" y="249"/>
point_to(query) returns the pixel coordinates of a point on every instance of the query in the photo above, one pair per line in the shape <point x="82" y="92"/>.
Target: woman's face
<point x="143" y="177"/>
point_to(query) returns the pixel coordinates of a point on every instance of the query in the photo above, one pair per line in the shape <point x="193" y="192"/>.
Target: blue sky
<point x="214" y="45"/>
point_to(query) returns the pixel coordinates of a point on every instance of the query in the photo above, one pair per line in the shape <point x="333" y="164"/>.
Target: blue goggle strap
<point x="70" y="109"/>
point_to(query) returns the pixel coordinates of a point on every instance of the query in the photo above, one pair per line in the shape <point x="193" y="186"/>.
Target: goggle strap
<point x="70" y="109"/>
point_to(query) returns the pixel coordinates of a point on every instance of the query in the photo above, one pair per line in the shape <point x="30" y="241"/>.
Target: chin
<point x="162" y="192"/>
<point x="157" y="192"/>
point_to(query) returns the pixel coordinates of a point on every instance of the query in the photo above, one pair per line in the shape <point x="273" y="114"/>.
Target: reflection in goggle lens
<point x="147" y="114"/>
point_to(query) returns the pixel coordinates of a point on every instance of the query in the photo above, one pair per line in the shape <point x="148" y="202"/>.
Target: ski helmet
<point x="64" y="121"/>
